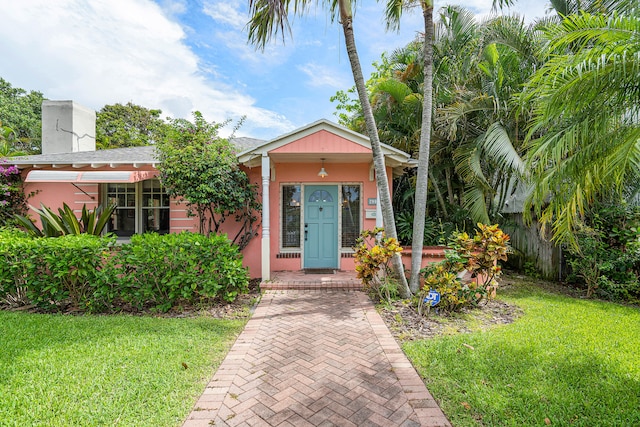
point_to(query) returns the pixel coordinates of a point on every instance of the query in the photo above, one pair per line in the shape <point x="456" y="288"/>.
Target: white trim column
<point x="266" y="224"/>
<point x="379" y="220"/>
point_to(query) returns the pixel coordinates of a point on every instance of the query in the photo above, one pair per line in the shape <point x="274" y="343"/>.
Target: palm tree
<point x="393" y="13"/>
<point x="481" y="120"/>
<point x="270" y="17"/>
<point x="585" y="138"/>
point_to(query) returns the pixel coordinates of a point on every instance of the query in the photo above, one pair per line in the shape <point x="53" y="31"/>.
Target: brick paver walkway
<point x="316" y="358"/>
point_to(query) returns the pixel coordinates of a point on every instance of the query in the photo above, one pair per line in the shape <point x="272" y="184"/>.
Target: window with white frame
<point x="155" y="207"/>
<point x="140" y="207"/>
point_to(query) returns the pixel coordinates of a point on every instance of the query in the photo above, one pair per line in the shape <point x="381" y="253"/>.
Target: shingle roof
<point x="129" y="155"/>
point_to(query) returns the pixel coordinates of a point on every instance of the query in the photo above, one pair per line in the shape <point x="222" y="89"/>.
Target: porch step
<point x="298" y="280"/>
<point x="309" y="286"/>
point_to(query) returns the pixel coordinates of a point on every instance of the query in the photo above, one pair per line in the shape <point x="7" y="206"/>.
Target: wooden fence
<point x="530" y="246"/>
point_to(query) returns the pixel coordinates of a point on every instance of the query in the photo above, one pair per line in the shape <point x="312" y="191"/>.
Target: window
<point x="291" y="216"/>
<point x="155" y="207"/>
<point x="140" y="207"/>
<point x="350" y="215"/>
<point x="123" y="220"/>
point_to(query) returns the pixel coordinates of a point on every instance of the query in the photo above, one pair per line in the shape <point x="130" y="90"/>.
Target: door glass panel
<point x="320" y="196"/>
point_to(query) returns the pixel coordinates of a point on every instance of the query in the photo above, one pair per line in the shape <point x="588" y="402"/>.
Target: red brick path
<point x="316" y="358"/>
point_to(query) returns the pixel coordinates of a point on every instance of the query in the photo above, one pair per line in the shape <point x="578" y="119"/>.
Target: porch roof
<point x="360" y="152"/>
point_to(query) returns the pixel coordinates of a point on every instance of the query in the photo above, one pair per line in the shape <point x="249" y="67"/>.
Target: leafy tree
<point x="270" y="17"/>
<point x="199" y="166"/>
<point x="128" y="125"/>
<point x="21" y="111"/>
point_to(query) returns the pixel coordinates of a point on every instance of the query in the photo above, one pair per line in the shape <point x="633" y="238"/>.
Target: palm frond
<point x="475" y="203"/>
<point x="498" y="146"/>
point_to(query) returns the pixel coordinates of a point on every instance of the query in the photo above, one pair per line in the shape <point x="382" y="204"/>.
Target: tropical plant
<point x="65" y="221"/>
<point x="478" y="124"/>
<point x="469" y="274"/>
<point x="607" y="259"/>
<point x="270" y="17"/>
<point x="586" y="124"/>
<point x="374" y="252"/>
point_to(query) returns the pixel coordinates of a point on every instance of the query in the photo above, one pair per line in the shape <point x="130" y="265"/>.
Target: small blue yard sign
<point x="433" y="296"/>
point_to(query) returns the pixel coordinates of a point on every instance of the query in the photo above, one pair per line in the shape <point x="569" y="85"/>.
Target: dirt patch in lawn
<point x="406" y="324"/>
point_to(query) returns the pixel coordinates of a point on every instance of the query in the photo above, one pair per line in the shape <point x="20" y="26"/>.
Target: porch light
<point x="323" y="173"/>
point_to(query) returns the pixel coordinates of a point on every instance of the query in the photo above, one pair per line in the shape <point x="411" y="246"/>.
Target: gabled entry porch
<point x="318" y="193"/>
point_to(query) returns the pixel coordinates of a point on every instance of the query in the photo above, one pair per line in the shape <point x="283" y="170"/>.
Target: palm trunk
<point x="452" y="197"/>
<point x="346" y="20"/>
<point x="436" y="190"/>
<point x="423" y="155"/>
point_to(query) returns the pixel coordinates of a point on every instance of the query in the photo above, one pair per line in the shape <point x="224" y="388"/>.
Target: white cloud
<point x="174" y="7"/>
<point x="226" y="12"/>
<point x="109" y="51"/>
<point x="321" y="75"/>
<point x="236" y="42"/>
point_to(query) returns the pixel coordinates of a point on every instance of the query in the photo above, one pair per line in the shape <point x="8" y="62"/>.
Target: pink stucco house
<point x="316" y="183"/>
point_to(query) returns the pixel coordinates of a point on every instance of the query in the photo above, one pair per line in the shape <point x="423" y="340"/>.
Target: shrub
<point x="476" y="257"/>
<point x="12" y="197"/>
<point x="90" y="274"/>
<point x="607" y="259"/>
<point x="54" y="273"/>
<point x="373" y="253"/>
<point x="160" y="270"/>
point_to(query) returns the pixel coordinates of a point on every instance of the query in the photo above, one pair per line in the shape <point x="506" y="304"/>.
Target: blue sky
<point x="187" y="55"/>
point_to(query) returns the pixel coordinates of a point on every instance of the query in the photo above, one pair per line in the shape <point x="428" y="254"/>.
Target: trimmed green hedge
<point x="93" y="274"/>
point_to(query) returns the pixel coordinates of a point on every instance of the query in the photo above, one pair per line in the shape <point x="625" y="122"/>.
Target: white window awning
<point x="92" y="177"/>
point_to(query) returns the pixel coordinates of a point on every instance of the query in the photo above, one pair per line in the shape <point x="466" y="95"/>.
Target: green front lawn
<point x="60" y="370"/>
<point x="567" y="361"/>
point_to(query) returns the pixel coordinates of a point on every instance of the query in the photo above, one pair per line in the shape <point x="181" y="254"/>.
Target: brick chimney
<point x="67" y="127"/>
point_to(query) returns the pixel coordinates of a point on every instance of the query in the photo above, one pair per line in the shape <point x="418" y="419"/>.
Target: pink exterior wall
<point x="304" y="173"/>
<point x="54" y="194"/>
<point x="430" y="255"/>
<point x="322" y="142"/>
<point x="252" y="254"/>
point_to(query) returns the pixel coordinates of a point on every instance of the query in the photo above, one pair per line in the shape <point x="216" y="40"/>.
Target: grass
<point x="58" y="370"/>
<point x="567" y="361"/>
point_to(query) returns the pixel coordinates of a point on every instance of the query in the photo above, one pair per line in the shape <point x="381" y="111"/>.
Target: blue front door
<point x="321" y="226"/>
